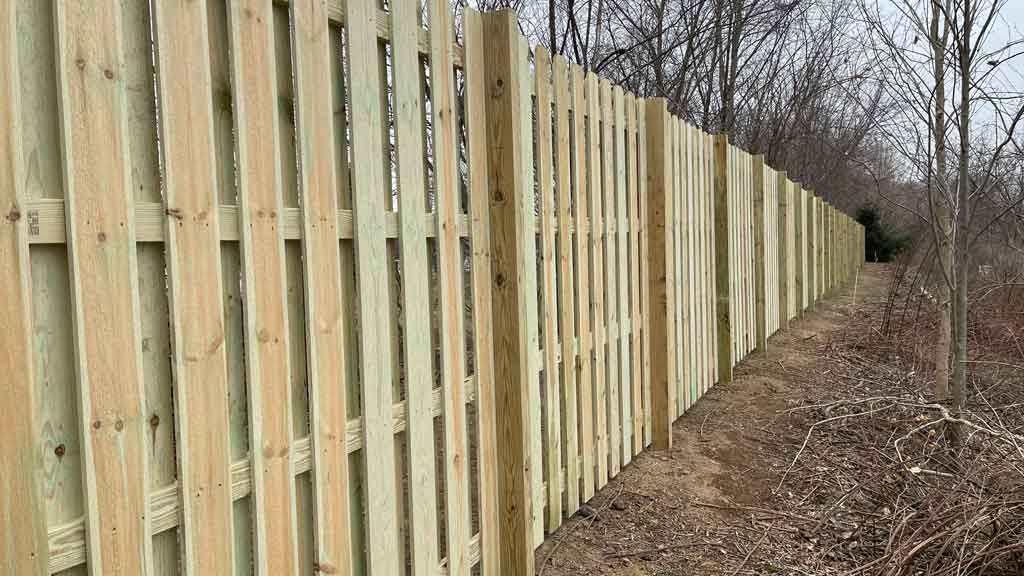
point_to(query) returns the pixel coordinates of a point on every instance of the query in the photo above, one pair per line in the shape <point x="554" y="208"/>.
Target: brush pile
<point x="882" y="479"/>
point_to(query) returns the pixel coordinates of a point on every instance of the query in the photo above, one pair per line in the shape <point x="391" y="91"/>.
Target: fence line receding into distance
<point x="307" y="286"/>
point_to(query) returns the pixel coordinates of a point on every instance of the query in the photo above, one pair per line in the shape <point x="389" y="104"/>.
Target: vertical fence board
<point x="683" y="399"/>
<point x="104" y="286"/>
<point x="415" y="313"/>
<point x="800" y="214"/>
<point x="375" y="369"/>
<point x="552" y="428"/>
<point x="325" y="343"/>
<point x="581" y="248"/>
<point x="529" y="200"/>
<point x="609" y="279"/>
<point x="23" y="542"/>
<point x="197" y="315"/>
<point x="624" y="380"/>
<point x="38" y="136"/>
<point x="761" y="316"/>
<point x="598" y="236"/>
<point x="635" y="277"/>
<point x="570" y="338"/>
<point x="783" y="252"/>
<point x="645" y="276"/>
<point x="449" y="261"/>
<point x="260" y="206"/>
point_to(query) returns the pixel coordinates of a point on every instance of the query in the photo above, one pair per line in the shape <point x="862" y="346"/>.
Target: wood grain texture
<point x="104" y="285"/>
<point x="568" y="285"/>
<point x="415" y="313"/>
<point x="598" y="236"/>
<point x="23" y="544"/>
<point x="327" y="354"/>
<point x="195" y="286"/>
<point x="613" y="379"/>
<point x="623" y="321"/>
<point x="369" y="198"/>
<point x="760" y="313"/>
<point x="261" y="202"/>
<point x="581" y="250"/>
<point x="509" y="240"/>
<point x="645" y="301"/>
<point x="548" y="215"/>
<point x="635" y="281"/>
<point x="531" y="289"/>
<point x="784" y="247"/>
<point x="723" y="279"/>
<point x="660" y="320"/>
<point x="449" y="262"/>
<point x="483" y="342"/>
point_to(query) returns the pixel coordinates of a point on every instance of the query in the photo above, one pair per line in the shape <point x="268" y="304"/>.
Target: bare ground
<point x="710" y="505"/>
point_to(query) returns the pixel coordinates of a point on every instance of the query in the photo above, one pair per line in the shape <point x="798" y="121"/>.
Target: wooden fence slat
<point x="326" y="348"/>
<point x="612" y="381"/>
<point x="483" y="341"/>
<point x="709" y="168"/>
<point x="23" y="513"/>
<point x="695" y="268"/>
<point x="679" y="262"/>
<point x="104" y="285"/>
<point x="598" y="236"/>
<point x="194" y="264"/>
<point x="268" y="358"/>
<point x="581" y="249"/>
<point x="634" y="283"/>
<point x="798" y="254"/>
<point x="645" y="301"/>
<point x="369" y="205"/>
<point x="624" y="380"/>
<point x="566" y="244"/>
<point x="685" y="199"/>
<point x="552" y="427"/>
<point x="783" y="251"/>
<point x="449" y="262"/>
<point x="530" y="287"/>
<point x="659" y="228"/>
<point x="415" y="319"/>
<point x="760" y="286"/>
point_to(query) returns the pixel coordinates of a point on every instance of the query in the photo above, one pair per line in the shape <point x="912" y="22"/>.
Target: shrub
<point x="881" y="244"/>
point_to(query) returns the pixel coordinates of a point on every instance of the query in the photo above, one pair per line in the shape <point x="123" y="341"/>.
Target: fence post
<point x="511" y="224"/>
<point x="783" y="240"/>
<point x="798" y="248"/>
<point x="760" y="296"/>
<point x="813" y="260"/>
<point x="659" y="242"/>
<point x="724" y="318"/>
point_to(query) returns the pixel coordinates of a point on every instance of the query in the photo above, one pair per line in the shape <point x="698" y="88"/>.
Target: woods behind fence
<point x="310" y="286"/>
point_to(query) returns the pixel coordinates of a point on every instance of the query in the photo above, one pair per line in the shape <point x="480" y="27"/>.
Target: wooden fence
<point x="287" y="296"/>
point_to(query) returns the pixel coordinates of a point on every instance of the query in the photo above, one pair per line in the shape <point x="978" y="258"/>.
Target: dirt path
<point x="688" y="511"/>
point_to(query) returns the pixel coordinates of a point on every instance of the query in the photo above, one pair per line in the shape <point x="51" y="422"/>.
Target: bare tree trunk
<point x="659" y="57"/>
<point x="940" y="201"/>
<point x="961" y="256"/>
<point x="552" y="40"/>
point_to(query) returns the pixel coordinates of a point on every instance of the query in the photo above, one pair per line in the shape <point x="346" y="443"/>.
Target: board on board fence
<point x="243" y="339"/>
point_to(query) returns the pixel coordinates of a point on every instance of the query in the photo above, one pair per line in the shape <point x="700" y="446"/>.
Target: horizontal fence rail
<point x="299" y="287"/>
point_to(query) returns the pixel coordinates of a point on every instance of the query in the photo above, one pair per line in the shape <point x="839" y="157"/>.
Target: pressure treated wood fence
<point x="284" y="295"/>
